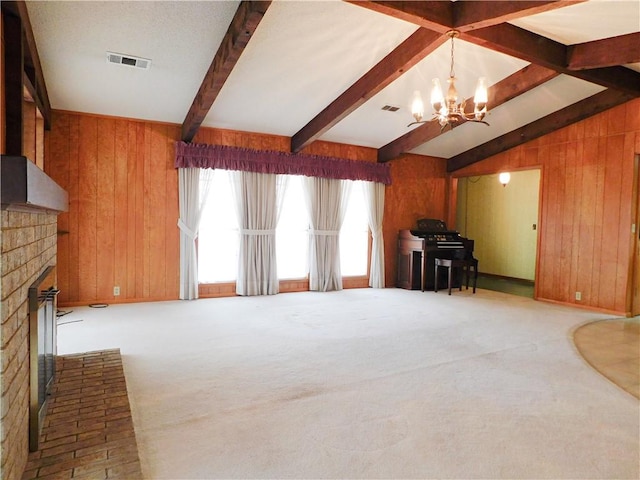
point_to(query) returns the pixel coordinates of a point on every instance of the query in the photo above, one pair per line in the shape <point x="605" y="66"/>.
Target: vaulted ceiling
<point x="325" y="69"/>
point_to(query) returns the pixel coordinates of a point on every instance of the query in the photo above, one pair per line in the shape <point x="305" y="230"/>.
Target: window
<point x="354" y="234"/>
<point x="218" y="238"/>
<point x="292" y="233"/>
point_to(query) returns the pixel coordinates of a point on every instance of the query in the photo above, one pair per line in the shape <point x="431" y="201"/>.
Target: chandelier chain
<point x="452" y="73"/>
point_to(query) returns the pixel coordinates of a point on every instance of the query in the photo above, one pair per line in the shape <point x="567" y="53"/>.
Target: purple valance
<point x="193" y="155"/>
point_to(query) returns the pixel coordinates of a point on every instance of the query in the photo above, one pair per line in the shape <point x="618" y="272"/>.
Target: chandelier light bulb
<point x="437" y="98"/>
<point x="504" y="178"/>
<point x="417" y="106"/>
<point x="482" y="94"/>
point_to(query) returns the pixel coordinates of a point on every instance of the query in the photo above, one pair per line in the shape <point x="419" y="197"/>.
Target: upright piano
<point x="418" y="249"/>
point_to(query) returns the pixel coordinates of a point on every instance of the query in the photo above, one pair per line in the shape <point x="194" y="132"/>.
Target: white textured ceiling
<point x="302" y="56"/>
<point x="180" y="38"/>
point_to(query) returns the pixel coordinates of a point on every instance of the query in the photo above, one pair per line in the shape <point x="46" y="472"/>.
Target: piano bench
<point x="450" y="264"/>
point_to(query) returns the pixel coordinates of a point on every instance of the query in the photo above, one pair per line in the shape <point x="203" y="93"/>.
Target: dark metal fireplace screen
<point x="42" y="348"/>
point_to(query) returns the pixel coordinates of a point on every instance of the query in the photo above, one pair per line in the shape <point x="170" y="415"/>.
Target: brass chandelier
<point x="447" y="110"/>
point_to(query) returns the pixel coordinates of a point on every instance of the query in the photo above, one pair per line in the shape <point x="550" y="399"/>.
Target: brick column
<point x="28" y="245"/>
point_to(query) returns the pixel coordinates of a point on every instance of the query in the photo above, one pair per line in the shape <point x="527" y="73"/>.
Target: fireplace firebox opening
<point x="42" y="348"/>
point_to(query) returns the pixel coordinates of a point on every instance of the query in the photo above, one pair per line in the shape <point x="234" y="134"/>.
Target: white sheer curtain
<point x="374" y="193"/>
<point x="326" y="201"/>
<point x="258" y="203"/>
<point x="191" y="200"/>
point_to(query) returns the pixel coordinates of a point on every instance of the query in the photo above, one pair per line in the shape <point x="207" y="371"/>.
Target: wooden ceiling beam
<point x="520" y="43"/>
<point x="442" y="16"/>
<point x="480" y="14"/>
<point x="573" y="113"/>
<point x="523" y="80"/>
<point x="13" y="86"/>
<point x="243" y="25"/>
<point x="31" y="61"/>
<point x="432" y="15"/>
<point x="420" y="44"/>
<point x="33" y="67"/>
<point x="607" y="52"/>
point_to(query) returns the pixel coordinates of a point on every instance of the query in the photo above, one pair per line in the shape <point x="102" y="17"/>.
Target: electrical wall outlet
<point x="578" y="295"/>
<point x="116" y="291"/>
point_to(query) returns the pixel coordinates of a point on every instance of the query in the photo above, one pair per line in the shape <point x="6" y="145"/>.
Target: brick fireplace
<point x="30" y="202"/>
<point x="28" y="247"/>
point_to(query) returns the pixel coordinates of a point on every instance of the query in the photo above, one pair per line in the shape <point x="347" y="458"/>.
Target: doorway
<point x="503" y="222"/>
<point x="635" y="298"/>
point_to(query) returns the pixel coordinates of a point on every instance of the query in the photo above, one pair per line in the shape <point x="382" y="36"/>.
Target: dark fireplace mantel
<point x="26" y="188"/>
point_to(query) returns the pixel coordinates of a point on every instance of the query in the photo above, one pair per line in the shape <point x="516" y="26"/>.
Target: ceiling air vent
<point x="128" y="60"/>
<point x="390" y="108"/>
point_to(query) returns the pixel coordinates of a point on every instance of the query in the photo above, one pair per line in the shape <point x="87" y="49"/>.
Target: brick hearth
<point x="88" y="431"/>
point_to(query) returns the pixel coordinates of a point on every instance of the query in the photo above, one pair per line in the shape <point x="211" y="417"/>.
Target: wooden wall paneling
<point x="214" y="290"/>
<point x="574" y="168"/>
<point x="546" y="280"/>
<point x="557" y="159"/>
<point x="230" y="138"/>
<point x="611" y="220"/>
<point x="40" y="142"/>
<point x="132" y="210"/>
<point x="218" y="137"/>
<point x="556" y="162"/>
<point x="542" y="278"/>
<point x="616" y="119"/>
<point x="29" y="130"/>
<point x="563" y="241"/>
<point x="598" y="191"/>
<point x="146" y="207"/>
<point x="560" y="136"/>
<point x="417" y="191"/>
<point x="213" y="136"/>
<point x="105" y="209"/>
<point x="121" y="204"/>
<point x="171" y="220"/>
<point x="2" y="94"/>
<point x="155" y="214"/>
<point x="74" y="210"/>
<point x="530" y="158"/>
<point x="516" y="158"/>
<point x="574" y="131"/>
<point x="591" y="127"/>
<point x="140" y="226"/>
<point x="45" y="146"/>
<point x="632" y="116"/>
<point x="57" y="169"/>
<point x="584" y="275"/>
<point x="202" y="136"/>
<point x="568" y="258"/>
<point x="603" y="124"/>
<point x="13" y="84"/>
<point x="529" y="154"/>
<point x="451" y="199"/>
<point x="87" y="207"/>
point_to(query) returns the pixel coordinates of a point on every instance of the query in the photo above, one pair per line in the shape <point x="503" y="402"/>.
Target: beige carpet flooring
<point x="364" y="384"/>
